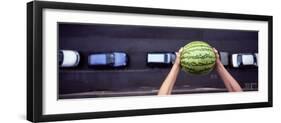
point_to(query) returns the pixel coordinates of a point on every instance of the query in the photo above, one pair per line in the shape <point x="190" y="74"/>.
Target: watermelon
<point x="197" y="57"/>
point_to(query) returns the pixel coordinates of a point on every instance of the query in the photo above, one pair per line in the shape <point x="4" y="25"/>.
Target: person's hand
<point x="169" y="82"/>
<point x="218" y="61"/>
<point x="217" y="55"/>
<point x="231" y="84"/>
<point x="177" y="61"/>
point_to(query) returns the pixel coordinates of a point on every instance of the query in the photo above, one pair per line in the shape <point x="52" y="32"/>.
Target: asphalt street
<point x="136" y="41"/>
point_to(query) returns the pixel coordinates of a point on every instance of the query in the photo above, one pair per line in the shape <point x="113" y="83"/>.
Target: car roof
<point x="97" y="59"/>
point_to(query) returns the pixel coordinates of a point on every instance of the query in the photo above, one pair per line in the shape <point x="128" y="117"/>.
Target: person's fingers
<point x="215" y="50"/>
<point x="178" y="53"/>
<point x="180" y="50"/>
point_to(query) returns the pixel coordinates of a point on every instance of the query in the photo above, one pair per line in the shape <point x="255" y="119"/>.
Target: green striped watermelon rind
<point x="197" y="57"/>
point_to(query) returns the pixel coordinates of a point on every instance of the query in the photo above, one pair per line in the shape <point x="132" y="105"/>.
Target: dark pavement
<point x="136" y="41"/>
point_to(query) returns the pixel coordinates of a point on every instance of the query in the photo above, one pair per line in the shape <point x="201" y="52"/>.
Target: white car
<point x="68" y="58"/>
<point x="244" y="60"/>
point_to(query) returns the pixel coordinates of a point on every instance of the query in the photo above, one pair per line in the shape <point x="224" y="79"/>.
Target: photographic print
<point x="106" y="60"/>
<point x="89" y="61"/>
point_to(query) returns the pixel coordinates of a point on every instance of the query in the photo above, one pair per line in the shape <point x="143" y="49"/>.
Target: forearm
<point x="169" y="82"/>
<point x="230" y="83"/>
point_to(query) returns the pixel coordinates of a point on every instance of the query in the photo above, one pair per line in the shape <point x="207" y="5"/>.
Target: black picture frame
<point x="34" y="60"/>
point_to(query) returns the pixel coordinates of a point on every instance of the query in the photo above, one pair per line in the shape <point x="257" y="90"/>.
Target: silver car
<point x="159" y="59"/>
<point x="244" y="60"/>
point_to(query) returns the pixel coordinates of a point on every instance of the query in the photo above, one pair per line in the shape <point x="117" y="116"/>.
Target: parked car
<point x="68" y="58"/>
<point x="160" y="59"/>
<point x="241" y="60"/>
<point x="114" y="59"/>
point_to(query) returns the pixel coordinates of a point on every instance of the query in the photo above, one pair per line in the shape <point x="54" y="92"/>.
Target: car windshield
<point x="173" y="57"/>
<point x="239" y="59"/>
<point x="167" y="58"/>
<point x="110" y="58"/>
<point x="60" y="57"/>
